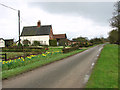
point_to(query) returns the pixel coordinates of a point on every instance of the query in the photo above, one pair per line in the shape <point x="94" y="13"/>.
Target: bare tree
<point x="115" y="21"/>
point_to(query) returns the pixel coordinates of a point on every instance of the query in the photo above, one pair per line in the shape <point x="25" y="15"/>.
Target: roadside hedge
<point x="66" y="50"/>
<point x="21" y="49"/>
<point x="53" y="42"/>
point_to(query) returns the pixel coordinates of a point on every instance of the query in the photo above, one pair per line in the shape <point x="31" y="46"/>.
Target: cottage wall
<point x="44" y="40"/>
<point x="2" y="43"/>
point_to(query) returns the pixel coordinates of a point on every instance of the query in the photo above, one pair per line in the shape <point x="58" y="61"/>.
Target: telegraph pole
<point x="19" y="25"/>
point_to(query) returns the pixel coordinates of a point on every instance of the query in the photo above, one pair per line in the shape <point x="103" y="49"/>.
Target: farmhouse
<point x="42" y="33"/>
<point x="2" y="42"/>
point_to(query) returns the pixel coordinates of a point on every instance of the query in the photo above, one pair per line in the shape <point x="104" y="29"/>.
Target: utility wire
<point x="8" y="7"/>
<point x="14" y="10"/>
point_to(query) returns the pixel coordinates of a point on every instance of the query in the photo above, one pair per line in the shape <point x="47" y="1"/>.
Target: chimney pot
<point x="39" y="23"/>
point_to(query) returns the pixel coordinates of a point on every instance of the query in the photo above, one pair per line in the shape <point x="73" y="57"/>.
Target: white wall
<point x="2" y="43"/>
<point x="43" y="39"/>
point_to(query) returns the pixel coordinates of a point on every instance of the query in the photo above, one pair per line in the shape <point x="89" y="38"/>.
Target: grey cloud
<point x="100" y="12"/>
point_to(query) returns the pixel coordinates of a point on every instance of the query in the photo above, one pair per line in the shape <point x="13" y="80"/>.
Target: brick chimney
<point x="39" y="23"/>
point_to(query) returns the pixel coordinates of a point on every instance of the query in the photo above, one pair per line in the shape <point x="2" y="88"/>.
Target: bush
<point x="26" y="42"/>
<point x="19" y="45"/>
<point x="86" y="44"/>
<point x="36" y="43"/>
<point x="53" y="42"/>
<point x="66" y="50"/>
<point x="74" y="45"/>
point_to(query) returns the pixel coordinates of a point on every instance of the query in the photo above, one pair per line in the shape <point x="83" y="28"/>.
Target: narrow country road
<point x="72" y="72"/>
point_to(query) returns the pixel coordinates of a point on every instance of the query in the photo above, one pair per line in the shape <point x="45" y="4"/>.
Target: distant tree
<point x="80" y="39"/>
<point x="36" y="43"/>
<point x="96" y="41"/>
<point x="26" y="42"/>
<point x="63" y="42"/>
<point x="113" y="37"/>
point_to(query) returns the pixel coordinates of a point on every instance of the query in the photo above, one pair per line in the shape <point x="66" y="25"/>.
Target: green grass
<point x="105" y="72"/>
<point x="38" y="63"/>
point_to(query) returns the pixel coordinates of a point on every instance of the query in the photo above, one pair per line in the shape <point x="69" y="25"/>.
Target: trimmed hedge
<point x="21" y="49"/>
<point x="36" y="43"/>
<point x="53" y="42"/>
<point x="66" y="50"/>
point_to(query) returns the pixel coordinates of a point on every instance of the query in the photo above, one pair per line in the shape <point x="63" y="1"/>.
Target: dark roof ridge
<point x="1" y="38"/>
<point x="36" y="26"/>
<point x="35" y="30"/>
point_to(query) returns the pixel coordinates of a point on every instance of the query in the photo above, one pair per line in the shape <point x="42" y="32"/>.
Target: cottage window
<point x="41" y="42"/>
<point x="1" y="41"/>
<point x="45" y="42"/>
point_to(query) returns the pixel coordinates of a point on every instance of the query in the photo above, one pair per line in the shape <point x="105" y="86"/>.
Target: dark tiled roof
<point x="36" y="31"/>
<point x="60" y="36"/>
<point x="1" y="39"/>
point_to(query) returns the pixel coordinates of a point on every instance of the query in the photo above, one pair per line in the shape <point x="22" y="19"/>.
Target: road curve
<point x="72" y="72"/>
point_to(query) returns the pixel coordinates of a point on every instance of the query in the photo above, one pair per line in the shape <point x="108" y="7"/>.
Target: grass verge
<point x="16" y="71"/>
<point x="105" y="72"/>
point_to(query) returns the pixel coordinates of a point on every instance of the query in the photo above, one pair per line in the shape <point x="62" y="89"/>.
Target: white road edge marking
<point x="86" y="78"/>
<point x="93" y="64"/>
<point x="100" y="49"/>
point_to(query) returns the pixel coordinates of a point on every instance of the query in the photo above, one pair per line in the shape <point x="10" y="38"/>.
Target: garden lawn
<point x="36" y="62"/>
<point x="105" y="72"/>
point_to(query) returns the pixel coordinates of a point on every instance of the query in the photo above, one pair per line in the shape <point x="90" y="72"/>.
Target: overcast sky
<point x="87" y="19"/>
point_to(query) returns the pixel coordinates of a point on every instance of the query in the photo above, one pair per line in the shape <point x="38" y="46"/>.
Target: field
<point x="105" y="72"/>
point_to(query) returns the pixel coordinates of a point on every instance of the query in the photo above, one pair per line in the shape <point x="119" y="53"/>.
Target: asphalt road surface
<point x="72" y="72"/>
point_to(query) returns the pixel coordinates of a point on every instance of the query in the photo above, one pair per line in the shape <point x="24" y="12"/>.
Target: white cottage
<point x="2" y="42"/>
<point x="40" y="33"/>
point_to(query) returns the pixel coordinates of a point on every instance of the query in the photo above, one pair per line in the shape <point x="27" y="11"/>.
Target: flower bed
<point x="21" y="61"/>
